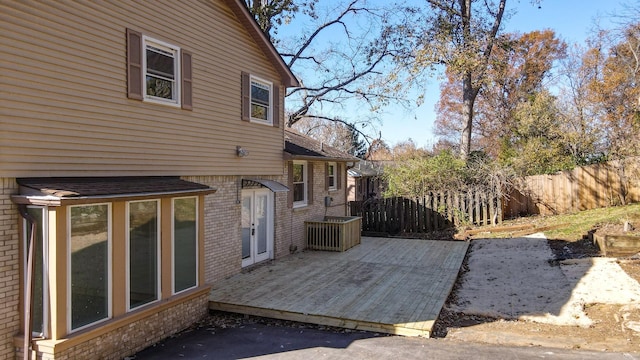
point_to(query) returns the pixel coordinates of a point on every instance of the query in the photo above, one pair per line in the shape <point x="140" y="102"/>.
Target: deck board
<point x="396" y="286"/>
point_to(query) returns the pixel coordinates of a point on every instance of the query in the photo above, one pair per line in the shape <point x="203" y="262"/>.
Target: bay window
<point x="89" y="264"/>
<point x="143" y="266"/>
<point x="185" y="243"/>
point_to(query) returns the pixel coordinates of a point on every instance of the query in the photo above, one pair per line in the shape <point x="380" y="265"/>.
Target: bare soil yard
<point x="594" y="325"/>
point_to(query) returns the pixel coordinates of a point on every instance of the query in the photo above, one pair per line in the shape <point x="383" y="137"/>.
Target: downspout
<point x="28" y="301"/>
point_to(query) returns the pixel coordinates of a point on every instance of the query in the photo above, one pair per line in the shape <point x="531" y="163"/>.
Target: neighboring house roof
<point x="244" y="16"/>
<point x="300" y="147"/>
<point x="366" y="168"/>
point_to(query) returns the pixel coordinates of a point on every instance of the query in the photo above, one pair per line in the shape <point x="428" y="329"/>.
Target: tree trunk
<point x="468" y="99"/>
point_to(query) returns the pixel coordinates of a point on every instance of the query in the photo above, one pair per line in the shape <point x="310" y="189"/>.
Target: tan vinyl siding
<point x="65" y="110"/>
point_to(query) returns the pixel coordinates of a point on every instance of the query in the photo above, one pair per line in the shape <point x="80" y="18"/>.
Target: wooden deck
<point x="395" y="286"/>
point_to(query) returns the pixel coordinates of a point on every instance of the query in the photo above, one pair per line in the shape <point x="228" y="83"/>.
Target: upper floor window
<point x="158" y="71"/>
<point x="161" y="74"/>
<point x="260" y="101"/>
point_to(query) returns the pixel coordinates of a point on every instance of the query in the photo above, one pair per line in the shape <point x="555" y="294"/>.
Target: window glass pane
<point x="298" y="192"/>
<point x="89" y="246"/>
<point x="260" y="93"/>
<point x="159" y="87"/>
<point x="259" y="112"/>
<point x="298" y="173"/>
<point x="143" y="253"/>
<point x="37" y="315"/>
<point x="246" y="226"/>
<point x="332" y="176"/>
<point x="160" y="63"/>
<point x="185" y="244"/>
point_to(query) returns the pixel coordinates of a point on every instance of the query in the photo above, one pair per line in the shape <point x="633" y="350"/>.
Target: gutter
<point x="28" y="301"/>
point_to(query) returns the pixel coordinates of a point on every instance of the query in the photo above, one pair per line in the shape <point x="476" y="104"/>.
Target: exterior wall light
<point x="241" y="152"/>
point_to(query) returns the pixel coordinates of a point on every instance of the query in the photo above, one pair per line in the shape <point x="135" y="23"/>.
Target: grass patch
<point x="579" y="224"/>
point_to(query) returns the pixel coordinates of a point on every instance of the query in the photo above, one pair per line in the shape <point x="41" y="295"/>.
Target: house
<point x="316" y="175"/>
<point x="143" y="156"/>
<point x="364" y="180"/>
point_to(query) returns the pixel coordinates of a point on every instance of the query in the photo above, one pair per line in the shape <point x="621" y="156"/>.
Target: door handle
<point x="253" y="231"/>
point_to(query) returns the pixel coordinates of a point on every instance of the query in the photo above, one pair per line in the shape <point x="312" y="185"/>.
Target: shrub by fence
<point x="434" y="211"/>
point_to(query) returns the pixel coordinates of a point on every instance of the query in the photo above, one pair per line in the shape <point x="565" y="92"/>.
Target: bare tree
<point x="461" y="35"/>
<point x="348" y="55"/>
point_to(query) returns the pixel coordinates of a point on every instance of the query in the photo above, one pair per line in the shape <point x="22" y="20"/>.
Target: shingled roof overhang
<point x="69" y="191"/>
<point x="300" y="147"/>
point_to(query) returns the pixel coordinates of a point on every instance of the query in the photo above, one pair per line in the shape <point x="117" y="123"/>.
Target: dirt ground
<point x="610" y="330"/>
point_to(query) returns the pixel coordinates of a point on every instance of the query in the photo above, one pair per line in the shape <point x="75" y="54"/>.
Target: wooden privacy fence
<point x="583" y="188"/>
<point x="333" y="233"/>
<point x="435" y="211"/>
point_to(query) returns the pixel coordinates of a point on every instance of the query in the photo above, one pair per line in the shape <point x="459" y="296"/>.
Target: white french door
<point x="257" y="226"/>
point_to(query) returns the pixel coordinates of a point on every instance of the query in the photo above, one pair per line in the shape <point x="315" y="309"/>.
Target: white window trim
<point x="173" y="242"/>
<point x="109" y="268"/>
<point x="269" y="84"/>
<point x="45" y="264"/>
<point x="128" y="260"/>
<point x="305" y="181"/>
<point x="176" y="102"/>
<point x="334" y="176"/>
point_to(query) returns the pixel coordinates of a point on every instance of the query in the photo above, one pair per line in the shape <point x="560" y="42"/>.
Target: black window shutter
<point x="246" y="96"/>
<point x="290" y="184"/>
<point x="134" y="65"/>
<point x="326" y="176"/>
<point x="310" y="183"/>
<point x="187" y="81"/>
<point x="339" y="175"/>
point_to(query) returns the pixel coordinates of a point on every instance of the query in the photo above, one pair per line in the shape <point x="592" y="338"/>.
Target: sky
<point x="572" y="21"/>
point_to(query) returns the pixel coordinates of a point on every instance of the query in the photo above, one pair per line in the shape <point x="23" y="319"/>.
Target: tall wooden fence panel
<point x="584" y="188"/>
<point x="434" y="211"/>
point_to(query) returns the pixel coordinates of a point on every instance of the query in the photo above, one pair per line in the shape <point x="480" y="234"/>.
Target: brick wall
<point x="9" y="269"/>
<point x="295" y="218"/>
<point x="222" y="239"/>
<point x="134" y="337"/>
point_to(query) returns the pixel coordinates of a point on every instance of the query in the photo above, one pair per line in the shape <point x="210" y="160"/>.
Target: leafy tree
<point x="462" y="36"/>
<point x="520" y="67"/>
<point x="539" y="140"/>
<point x="614" y="89"/>
<point x="378" y="150"/>
<point x="576" y="111"/>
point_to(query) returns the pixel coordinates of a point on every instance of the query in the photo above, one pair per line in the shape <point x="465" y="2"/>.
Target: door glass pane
<point x="143" y="253"/>
<point x="185" y="244"/>
<point x="246" y="226"/>
<point x="37" y="296"/>
<point x="261" y="223"/>
<point x="89" y="245"/>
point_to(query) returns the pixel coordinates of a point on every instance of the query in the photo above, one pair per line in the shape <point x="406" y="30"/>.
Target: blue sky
<point x="572" y="20"/>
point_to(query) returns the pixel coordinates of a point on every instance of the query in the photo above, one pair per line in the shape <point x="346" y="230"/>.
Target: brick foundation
<point x="127" y="337"/>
